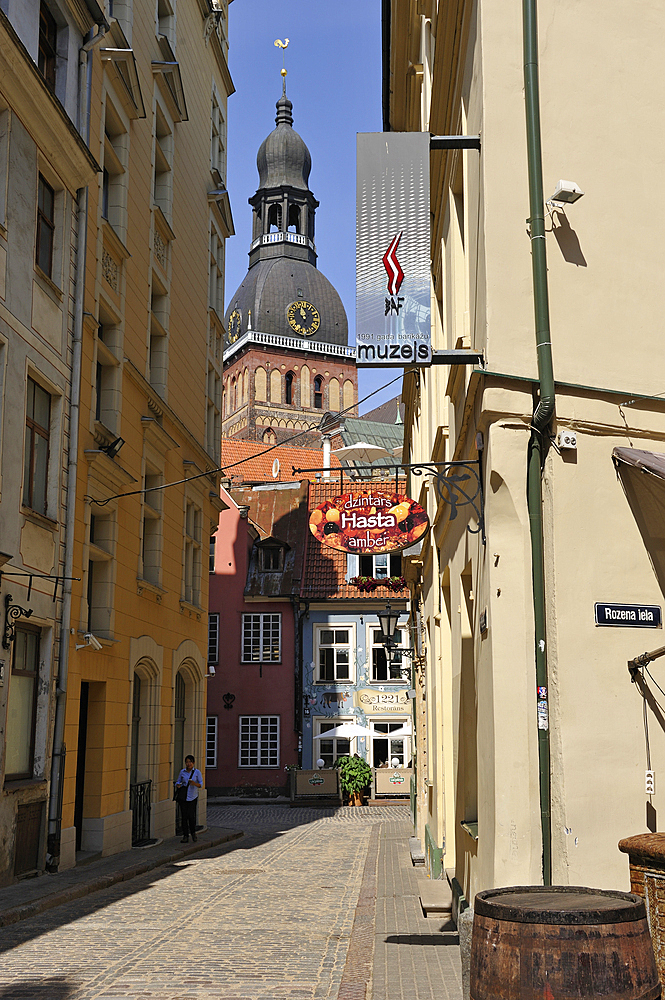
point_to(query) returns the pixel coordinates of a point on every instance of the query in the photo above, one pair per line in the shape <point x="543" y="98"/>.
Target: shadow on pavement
<point x="55" y="988"/>
<point x="444" y="938"/>
<point x="259" y="831"/>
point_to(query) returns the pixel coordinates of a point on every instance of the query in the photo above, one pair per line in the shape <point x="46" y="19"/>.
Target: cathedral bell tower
<point x="286" y="353"/>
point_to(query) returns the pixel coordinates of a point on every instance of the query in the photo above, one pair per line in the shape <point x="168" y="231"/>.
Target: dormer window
<point x="271" y="558"/>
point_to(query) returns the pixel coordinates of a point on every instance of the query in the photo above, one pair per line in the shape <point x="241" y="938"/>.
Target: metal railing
<point x="291" y="343"/>
<point x="139" y="802"/>
<point x="282" y="238"/>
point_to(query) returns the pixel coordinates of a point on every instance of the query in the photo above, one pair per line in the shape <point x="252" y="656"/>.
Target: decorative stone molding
<point x="160" y="249"/>
<point x="110" y="270"/>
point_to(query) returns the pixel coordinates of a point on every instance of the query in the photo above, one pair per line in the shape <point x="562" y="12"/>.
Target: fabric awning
<point x="642" y="475"/>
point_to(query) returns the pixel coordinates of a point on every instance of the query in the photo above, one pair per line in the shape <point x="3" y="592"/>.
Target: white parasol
<point x="403" y="731"/>
<point x="362" y="452"/>
<point x="347" y="730"/>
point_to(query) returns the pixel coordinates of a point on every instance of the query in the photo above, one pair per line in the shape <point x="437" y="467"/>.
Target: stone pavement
<point x="318" y="904"/>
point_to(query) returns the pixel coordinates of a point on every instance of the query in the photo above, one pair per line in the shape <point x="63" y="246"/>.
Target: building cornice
<point x="338" y="352"/>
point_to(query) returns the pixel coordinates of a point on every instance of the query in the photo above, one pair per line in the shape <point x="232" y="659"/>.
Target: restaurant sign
<point x="369" y="523"/>
<point x="375" y="702"/>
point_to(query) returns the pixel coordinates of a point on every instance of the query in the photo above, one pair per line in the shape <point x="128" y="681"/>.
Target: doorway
<point x="80" y="761"/>
<point x="385" y="749"/>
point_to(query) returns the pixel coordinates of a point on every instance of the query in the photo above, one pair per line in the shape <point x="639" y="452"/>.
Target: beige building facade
<point x="491" y="809"/>
<point x="45" y="167"/>
<point x="113" y="219"/>
<point x="150" y="415"/>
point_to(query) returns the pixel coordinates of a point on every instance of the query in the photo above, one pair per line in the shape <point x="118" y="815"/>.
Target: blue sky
<point x="334" y="81"/>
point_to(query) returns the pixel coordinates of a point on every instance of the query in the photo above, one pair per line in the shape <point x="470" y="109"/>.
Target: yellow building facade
<point x="531" y="745"/>
<point x="132" y="692"/>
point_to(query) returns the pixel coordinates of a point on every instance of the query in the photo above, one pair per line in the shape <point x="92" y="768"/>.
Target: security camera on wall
<point x="91" y="640"/>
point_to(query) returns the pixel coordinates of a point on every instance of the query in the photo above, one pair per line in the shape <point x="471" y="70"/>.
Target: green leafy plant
<point x="355" y="774"/>
<point x="369" y="583"/>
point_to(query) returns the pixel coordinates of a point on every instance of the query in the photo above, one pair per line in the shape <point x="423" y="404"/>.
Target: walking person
<point x="191" y="779"/>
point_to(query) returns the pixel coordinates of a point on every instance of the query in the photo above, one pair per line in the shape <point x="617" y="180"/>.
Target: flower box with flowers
<point x="369" y="583"/>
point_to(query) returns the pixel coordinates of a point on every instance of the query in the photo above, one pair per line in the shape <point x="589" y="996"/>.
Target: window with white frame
<point x="336" y="746"/>
<point x="115" y="158"/>
<point x="158" y="354"/>
<point x="384" y="670"/>
<point x="151" y="541"/>
<point x="192" y="581"/>
<point x="216" y="290"/>
<point x="211" y="741"/>
<point x="213" y="638"/>
<point x="262" y="638"/>
<point x="163" y="176"/>
<point x="100" y="581"/>
<point x="334" y="654"/>
<point x="217" y="137"/>
<point x="259" y="741"/>
<point x="381" y="567"/>
<point x="37" y="435"/>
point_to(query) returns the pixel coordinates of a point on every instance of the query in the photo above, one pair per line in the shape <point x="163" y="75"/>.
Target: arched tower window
<point x="275" y="218"/>
<point x="333" y="395"/>
<point x="260" y="384"/>
<point x="289" y="379"/>
<point x="269" y="436"/>
<point x="233" y="401"/>
<point x="275" y="386"/>
<point x="318" y="392"/>
<point x="294" y="218"/>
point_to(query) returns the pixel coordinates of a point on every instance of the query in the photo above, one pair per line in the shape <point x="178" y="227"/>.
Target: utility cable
<point x="223" y="468"/>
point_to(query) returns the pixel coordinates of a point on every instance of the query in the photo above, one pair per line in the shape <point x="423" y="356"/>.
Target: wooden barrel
<point x="559" y="942"/>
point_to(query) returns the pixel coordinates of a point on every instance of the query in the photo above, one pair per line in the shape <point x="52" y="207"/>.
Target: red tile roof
<point x="325" y="567"/>
<point x="258" y="459"/>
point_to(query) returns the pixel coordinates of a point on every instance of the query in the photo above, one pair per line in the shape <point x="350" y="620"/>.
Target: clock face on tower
<point x="235" y="322"/>
<point x="303" y="317"/>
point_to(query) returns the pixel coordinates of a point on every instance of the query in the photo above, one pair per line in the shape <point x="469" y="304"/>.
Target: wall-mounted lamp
<point x="113" y="448"/>
<point x="565" y="193"/>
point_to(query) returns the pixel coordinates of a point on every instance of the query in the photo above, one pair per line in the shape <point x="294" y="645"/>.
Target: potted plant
<point x="355" y="775"/>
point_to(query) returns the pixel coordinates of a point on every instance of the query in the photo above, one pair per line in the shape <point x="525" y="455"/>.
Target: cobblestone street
<point x="268" y="916"/>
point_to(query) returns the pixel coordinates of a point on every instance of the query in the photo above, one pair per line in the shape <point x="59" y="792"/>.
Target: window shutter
<point x="352" y="565"/>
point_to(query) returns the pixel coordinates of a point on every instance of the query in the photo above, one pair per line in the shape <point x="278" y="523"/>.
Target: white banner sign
<point x="393" y="327"/>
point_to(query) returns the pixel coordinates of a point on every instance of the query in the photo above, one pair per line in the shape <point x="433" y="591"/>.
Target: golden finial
<point x="282" y="45"/>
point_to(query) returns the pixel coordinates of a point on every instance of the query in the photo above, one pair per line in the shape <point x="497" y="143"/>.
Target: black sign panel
<point x="629" y="615"/>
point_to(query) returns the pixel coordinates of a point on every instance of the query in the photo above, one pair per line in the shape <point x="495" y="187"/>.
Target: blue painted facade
<point x="332" y="635"/>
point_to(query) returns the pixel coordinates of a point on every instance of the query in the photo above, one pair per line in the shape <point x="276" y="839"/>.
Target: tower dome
<point x="283" y="158"/>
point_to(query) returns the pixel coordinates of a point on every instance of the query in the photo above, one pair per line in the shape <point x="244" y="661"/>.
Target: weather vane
<point x="282" y="45"/>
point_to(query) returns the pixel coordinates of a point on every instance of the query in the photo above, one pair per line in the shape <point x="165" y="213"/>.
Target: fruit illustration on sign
<point x="369" y="523"/>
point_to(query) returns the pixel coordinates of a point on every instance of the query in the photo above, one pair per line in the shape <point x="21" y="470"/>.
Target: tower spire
<point x="283" y="45"/>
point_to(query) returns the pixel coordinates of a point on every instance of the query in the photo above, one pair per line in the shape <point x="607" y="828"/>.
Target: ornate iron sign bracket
<point x="12" y="613"/>
<point x="457" y="484"/>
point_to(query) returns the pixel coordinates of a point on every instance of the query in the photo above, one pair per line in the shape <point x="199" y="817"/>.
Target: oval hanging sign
<point x="369" y="523"/>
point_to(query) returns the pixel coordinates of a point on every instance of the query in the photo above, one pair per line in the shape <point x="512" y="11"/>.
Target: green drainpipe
<point x="543" y="412"/>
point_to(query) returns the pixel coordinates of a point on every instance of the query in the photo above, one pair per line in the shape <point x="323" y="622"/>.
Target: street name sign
<point x="629" y="615"/>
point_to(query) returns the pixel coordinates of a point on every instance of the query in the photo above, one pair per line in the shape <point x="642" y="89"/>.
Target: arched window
<point x="260" y="385"/>
<point x="288" y="387"/>
<point x="333" y="395"/>
<point x="275" y="386"/>
<point x="318" y="392"/>
<point x="294" y="218"/>
<point x="305" y="391"/>
<point x="233" y="395"/>
<point x="224" y="402"/>
<point x="269" y="436"/>
<point x="349" y="394"/>
<point x="275" y="218"/>
<point x="245" y="386"/>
